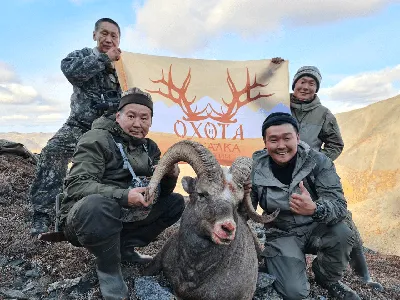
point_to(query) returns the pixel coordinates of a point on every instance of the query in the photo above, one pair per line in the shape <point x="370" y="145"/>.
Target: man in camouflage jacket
<point x="101" y="210"/>
<point x="94" y="79"/>
<point x="304" y="185"/>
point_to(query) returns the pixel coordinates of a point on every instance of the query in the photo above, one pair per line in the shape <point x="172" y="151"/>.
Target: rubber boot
<point x="359" y="265"/>
<point x="108" y="267"/>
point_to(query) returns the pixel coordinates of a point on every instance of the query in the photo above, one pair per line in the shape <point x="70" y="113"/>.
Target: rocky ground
<point x="30" y="269"/>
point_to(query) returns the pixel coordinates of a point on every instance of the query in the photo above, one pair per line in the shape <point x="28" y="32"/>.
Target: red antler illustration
<point x="181" y="100"/>
<point x="233" y="106"/>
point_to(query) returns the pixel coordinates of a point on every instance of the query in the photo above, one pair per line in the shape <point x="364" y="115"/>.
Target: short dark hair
<point x="99" y="21"/>
<point x="279" y="118"/>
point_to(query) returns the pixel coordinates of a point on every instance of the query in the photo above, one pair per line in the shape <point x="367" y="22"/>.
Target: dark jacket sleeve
<point x="85" y="176"/>
<point x="81" y="65"/>
<point x="330" y="192"/>
<point x="331" y="137"/>
<point x="167" y="183"/>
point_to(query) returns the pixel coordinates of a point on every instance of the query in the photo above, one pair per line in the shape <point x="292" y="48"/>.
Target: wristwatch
<point x="319" y="211"/>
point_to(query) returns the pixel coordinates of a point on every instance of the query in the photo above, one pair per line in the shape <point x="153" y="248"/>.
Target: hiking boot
<point x="129" y="255"/>
<point x="40" y="223"/>
<point x="340" y="291"/>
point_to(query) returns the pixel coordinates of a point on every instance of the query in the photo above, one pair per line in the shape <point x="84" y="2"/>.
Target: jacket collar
<point x="302" y="105"/>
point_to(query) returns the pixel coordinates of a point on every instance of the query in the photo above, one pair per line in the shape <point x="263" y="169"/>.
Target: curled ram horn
<point x="200" y="159"/>
<point x="240" y="171"/>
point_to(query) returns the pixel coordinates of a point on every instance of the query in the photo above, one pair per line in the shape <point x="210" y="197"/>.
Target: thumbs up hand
<point x="302" y="203"/>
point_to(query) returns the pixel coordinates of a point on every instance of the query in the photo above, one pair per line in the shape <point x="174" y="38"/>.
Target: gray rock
<point x="29" y="286"/>
<point x="147" y="288"/>
<point x="16" y="263"/>
<point x="32" y="273"/>
<point x="264" y="280"/>
<point x="265" y="290"/>
<point x="64" y="284"/>
<point x="13" y="294"/>
<point x="3" y="261"/>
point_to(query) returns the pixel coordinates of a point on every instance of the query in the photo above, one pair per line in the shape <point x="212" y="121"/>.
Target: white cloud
<point x="7" y="73"/>
<point x="185" y="25"/>
<point x="41" y="105"/>
<point x="17" y="93"/>
<point x="359" y="90"/>
<point x="13" y="118"/>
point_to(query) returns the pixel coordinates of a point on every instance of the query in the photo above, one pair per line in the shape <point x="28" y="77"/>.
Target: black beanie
<point x="279" y="118"/>
<point x="136" y="98"/>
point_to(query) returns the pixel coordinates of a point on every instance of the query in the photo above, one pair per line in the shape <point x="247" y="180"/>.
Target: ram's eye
<point x="203" y="195"/>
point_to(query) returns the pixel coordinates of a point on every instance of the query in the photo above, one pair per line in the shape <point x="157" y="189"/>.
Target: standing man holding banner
<point x="95" y="90"/>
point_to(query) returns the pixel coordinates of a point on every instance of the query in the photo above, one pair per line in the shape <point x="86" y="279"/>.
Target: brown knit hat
<point x="136" y="96"/>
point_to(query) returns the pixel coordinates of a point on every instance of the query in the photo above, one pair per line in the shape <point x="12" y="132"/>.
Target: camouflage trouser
<point x="52" y="168"/>
<point x="357" y="237"/>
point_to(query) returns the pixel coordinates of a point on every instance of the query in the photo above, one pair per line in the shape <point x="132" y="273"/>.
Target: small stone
<point x="63" y="284"/>
<point x="14" y="294"/>
<point x="3" y="261"/>
<point x="264" y="280"/>
<point x="29" y="287"/>
<point x="32" y="273"/>
<point x="16" y="263"/>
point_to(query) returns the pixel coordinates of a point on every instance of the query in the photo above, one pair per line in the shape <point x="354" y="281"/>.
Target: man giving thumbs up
<point x="304" y="185"/>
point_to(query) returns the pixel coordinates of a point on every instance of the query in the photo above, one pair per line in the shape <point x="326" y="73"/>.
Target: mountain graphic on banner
<point x="166" y="117"/>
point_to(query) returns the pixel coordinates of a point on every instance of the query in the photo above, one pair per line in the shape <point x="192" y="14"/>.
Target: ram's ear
<point x="189" y="184"/>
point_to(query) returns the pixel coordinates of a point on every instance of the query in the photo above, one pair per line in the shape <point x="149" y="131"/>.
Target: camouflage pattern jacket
<point x="271" y="194"/>
<point x="318" y="126"/>
<point x="98" y="165"/>
<point x="91" y="74"/>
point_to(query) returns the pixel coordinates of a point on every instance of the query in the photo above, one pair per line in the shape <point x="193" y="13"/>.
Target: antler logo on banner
<point x="231" y="109"/>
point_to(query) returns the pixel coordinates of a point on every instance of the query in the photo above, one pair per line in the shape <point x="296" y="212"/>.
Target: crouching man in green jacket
<point x="103" y="208"/>
<point x="304" y="185"/>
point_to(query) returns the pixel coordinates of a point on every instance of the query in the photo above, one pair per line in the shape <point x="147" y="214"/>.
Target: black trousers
<point x="95" y="219"/>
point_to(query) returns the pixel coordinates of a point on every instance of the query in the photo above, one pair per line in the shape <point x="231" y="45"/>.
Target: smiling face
<point x="135" y="119"/>
<point x="281" y="142"/>
<point x="106" y="36"/>
<point x="305" y="88"/>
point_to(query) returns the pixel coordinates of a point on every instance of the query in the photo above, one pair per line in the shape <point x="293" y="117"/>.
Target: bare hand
<point x="136" y="198"/>
<point x="114" y="53"/>
<point x="174" y="171"/>
<point x="302" y="204"/>
<point x="247" y="187"/>
<point x="277" y="60"/>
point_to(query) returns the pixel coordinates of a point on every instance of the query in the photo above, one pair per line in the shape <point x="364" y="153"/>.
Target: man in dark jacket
<point x="102" y="210"/>
<point x="95" y="84"/>
<point x="304" y="185"/>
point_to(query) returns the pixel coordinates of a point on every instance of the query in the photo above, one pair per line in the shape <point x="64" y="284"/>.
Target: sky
<point x="355" y="44"/>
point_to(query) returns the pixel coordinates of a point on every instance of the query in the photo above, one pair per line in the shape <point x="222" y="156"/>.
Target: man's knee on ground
<point x="95" y="218"/>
